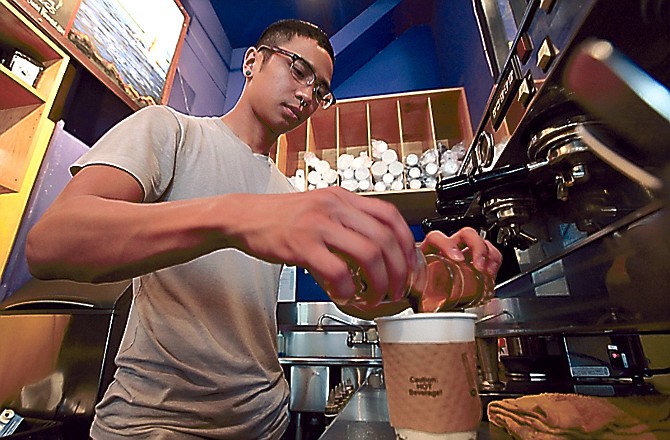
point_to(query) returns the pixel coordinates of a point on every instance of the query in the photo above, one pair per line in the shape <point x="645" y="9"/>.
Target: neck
<point x="250" y="130"/>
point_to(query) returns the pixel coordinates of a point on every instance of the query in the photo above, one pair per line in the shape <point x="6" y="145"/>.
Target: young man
<point x="197" y="214"/>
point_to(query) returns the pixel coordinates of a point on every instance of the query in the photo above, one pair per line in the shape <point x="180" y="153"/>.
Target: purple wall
<point x="201" y="79"/>
<point x="62" y="151"/>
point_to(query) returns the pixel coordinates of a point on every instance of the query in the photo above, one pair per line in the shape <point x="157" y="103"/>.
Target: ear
<point x="250" y="60"/>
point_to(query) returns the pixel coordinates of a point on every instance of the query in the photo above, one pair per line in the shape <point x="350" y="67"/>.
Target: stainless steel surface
<point x="328" y="316"/>
<point x="307" y="313"/>
<point x="322" y="348"/>
<point x="487" y="356"/>
<point x="585" y="238"/>
<point x="605" y="81"/>
<point x="359" y="336"/>
<point x="309" y="388"/>
<point x="498" y="20"/>
<point x="366" y="417"/>
<point x="368" y="404"/>
<point x="618" y="162"/>
<point x="531" y="129"/>
<point x="572" y="226"/>
<point x="332" y="362"/>
<point x="325" y="344"/>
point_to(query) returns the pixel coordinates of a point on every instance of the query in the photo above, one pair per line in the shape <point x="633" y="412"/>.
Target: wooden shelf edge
<point x="16" y="92"/>
<point x="414" y="204"/>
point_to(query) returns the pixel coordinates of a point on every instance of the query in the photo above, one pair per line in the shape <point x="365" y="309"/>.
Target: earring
<point x="247" y="72"/>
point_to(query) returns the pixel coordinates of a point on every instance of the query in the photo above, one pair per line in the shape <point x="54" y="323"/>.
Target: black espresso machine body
<point x="58" y="341"/>
<point x="567" y="175"/>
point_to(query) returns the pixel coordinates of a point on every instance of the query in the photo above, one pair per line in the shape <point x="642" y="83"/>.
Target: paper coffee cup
<point x="430" y="373"/>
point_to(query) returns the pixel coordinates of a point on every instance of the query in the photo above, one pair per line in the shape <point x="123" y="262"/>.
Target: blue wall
<point x="460" y="53"/>
<point x="407" y="64"/>
<point x="393" y="46"/>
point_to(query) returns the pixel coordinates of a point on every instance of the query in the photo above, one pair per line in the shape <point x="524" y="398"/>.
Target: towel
<point x="553" y="416"/>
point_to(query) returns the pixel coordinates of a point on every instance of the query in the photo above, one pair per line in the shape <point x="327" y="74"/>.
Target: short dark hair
<point x="284" y="30"/>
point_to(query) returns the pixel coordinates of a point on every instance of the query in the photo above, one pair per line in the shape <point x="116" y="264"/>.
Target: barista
<point x="193" y="210"/>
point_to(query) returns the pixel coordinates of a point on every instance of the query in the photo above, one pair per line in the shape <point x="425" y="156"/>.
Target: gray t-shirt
<point x="199" y="355"/>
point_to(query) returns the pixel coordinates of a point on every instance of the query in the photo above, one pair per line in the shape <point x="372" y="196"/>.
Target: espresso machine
<point x="568" y="176"/>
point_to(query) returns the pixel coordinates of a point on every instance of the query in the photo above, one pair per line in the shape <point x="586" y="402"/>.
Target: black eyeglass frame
<point x="317" y="83"/>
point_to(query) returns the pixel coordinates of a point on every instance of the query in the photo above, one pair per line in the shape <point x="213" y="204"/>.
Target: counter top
<point x="365" y="417"/>
<point x="331" y="361"/>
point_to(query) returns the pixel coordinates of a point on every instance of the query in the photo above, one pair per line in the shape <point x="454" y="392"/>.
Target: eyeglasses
<point x="303" y="72"/>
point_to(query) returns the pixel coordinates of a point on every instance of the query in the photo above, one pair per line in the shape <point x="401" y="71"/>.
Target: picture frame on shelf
<point x="130" y="46"/>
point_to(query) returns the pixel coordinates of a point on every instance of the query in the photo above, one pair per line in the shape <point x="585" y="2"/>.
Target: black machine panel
<point x="568" y="174"/>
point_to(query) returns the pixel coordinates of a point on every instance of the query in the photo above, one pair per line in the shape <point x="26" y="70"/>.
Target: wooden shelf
<point x="23" y="107"/>
<point x="25" y="128"/>
<point x="18" y="32"/>
<point x="408" y="122"/>
<point x="14" y="92"/>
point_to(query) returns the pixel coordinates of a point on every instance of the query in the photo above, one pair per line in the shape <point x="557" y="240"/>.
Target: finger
<point x="389" y="215"/>
<point x="338" y="252"/>
<point x="494" y="260"/>
<point x="380" y="262"/>
<point x="387" y="240"/>
<point x="379" y="256"/>
<point x="365" y="234"/>
<point x="332" y="273"/>
<point x="437" y="242"/>
<point x="466" y="244"/>
<point x="474" y="246"/>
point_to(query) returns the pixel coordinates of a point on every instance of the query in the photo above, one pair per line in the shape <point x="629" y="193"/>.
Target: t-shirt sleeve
<point x="144" y="145"/>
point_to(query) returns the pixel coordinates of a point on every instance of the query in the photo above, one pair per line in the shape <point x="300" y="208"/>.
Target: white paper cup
<point x="414" y="172"/>
<point x="397" y="185"/>
<point x="380" y="187"/>
<point x="396" y="168"/>
<point x="430" y="373"/>
<point x="389" y="156"/>
<point x="378" y="169"/>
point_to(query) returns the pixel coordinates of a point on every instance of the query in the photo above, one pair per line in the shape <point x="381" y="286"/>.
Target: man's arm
<point x="97" y="230"/>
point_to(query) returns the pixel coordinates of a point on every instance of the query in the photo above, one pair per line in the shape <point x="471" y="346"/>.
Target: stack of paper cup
<point x="319" y="174"/>
<point x="387" y="170"/>
<point x="451" y="159"/>
<point x="355" y="171"/>
<point x="378" y="147"/>
<point x="413" y="172"/>
<point x="378" y="170"/>
<point x="298" y="181"/>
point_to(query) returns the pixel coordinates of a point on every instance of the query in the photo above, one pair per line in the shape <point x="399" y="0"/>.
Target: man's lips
<point x="292" y="111"/>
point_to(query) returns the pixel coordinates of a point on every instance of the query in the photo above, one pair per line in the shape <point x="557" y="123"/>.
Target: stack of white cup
<point x="319" y="174"/>
<point x="430" y="167"/>
<point x="451" y="159"/>
<point x="354" y="171"/>
<point x="386" y="169"/>
<point x="383" y="171"/>
<point x="298" y="181"/>
<point x="413" y="171"/>
<point x="421" y="171"/>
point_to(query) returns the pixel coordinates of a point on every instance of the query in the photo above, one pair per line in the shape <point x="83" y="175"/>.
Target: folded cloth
<point x="553" y="416"/>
